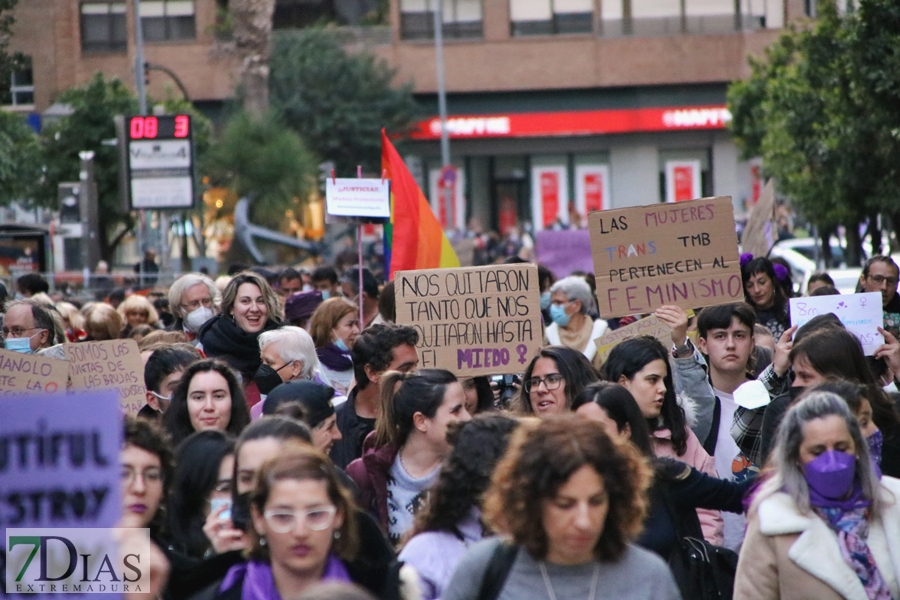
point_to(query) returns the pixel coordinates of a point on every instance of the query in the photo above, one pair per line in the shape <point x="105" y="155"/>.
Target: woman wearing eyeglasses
<point x="303" y="532"/>
<point x="552" y="380"/>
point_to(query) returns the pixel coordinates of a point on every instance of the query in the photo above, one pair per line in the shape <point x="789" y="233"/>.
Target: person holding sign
<point x="763" y="293"/>
<point x="570" y="302"/>
<point x="208" y="397"/>
<point x="408" y="446"/>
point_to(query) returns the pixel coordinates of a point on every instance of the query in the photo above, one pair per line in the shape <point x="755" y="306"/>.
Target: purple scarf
<point x="334" y="358"/>
<point x="259" y="583"/>
<point x="850" y="520"/>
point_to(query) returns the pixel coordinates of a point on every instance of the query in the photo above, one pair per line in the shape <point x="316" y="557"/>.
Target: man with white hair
<point x="194" y="300"/>
<point x="288" y="354"/>
<point x="570" y="302"/>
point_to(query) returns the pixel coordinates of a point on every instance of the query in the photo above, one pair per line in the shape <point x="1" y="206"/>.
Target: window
<point x="461" y="19"/>
<point x="103" y="27"/>
<point x="546" y="17"/>
<point x="21" y="86"/>
<point x="674" y="17"/>
<point x="167" y="20"/>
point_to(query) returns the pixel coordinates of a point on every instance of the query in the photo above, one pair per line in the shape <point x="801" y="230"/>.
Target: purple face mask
<point x="876" y="443"/>
<point x="831" y="474"/>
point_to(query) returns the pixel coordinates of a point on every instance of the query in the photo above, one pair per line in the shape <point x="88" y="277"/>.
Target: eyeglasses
<point x="150" y="476"/>
<point x="551" y="382"/>
<point x="195" y="304"/>
<point x="317" y="519"/>
<point x="879" y="279"/>
<point x="17" y="332"/>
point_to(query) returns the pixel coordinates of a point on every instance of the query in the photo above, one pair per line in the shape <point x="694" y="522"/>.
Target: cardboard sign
<point x="651" y="326"/>
<point x="650" y="256"/>
<point x="60" y="470"/>
<point x="759" y="233"/>
<point x="358" y="198"/>
<point x="861" y="314"/>
<point x="110" y="365"/>
<point x="31" y="374"/>
<point x="473" y="320"/>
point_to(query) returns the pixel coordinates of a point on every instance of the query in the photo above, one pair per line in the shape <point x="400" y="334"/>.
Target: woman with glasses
<point x="303" y="531"/>
<point x="552" y="380"/>
<point x="571" y="301"/>
<point x="402" y="458"/>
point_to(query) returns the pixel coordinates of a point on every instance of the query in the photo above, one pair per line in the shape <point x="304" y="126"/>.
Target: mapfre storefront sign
<point x="581" y="122"/>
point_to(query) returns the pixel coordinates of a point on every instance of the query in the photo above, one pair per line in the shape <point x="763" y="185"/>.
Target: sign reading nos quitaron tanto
<point x="473" y="320"/>
<point x="649" y="256"/>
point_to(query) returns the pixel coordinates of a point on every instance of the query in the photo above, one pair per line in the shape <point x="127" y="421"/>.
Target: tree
<point x="252" y="30"/>
<point x="260" y="158"/>
<point x="20" y="162"/>
<point x="338" y="103"/>
<point x="807" y="110"/>
<point x="94" y="105"/>
<point x="7" y="61"/>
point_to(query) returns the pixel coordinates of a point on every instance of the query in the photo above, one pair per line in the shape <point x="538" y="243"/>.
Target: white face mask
<point x="196" y="318"/>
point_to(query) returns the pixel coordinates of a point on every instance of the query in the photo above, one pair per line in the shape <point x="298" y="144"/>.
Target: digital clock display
<point x="168" y="127"/>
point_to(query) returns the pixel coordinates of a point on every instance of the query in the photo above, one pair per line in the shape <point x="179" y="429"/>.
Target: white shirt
<point x="726" y="451"/>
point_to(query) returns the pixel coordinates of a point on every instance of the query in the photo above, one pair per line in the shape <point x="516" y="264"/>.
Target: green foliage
<point x="338" y="103"/>
<point x="7" y="61"/>
<point x="820" y="110"/>
<point x="264" y="160"/>
<point x="94" y="105"/>
<point x="20" y="161"/>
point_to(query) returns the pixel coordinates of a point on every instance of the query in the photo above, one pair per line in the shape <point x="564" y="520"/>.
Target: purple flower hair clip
<point x="745" y="258"/>
<point x="781" y="272"/>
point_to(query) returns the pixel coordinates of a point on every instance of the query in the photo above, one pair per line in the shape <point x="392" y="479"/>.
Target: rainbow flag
<point x="414" y="238"/>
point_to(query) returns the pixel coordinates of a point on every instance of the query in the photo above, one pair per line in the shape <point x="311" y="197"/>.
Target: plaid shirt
<point x="746" y="429"/>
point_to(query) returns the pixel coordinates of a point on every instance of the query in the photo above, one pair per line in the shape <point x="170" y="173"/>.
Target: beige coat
<point x="796" y="557"/>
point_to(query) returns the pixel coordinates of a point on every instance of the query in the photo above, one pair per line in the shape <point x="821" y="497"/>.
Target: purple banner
<point x="564" y="251"/>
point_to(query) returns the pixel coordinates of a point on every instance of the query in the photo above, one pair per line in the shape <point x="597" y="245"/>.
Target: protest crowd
<point x="288" y="446"/>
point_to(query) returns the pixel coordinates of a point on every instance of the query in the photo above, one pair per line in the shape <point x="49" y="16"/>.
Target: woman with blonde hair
<point x="137" y="310"/>
<point x="102" y="322"/>
<point x="334" y="328"/>
<point x="73" y="321"/>
<point x="569" y="502"/>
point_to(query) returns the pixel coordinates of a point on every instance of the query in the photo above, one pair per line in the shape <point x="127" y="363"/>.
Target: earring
<point x="262" y="540"/>
<point x="337" y="534"/>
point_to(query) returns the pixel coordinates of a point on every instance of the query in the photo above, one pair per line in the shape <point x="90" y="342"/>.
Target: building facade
<point x="559" y="107"/>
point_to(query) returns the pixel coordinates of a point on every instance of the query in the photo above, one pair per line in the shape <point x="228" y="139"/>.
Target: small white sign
<point x="358" y="198"/>
<point x="861" y="314"/>
<point x="164" y="154"/>
<point x="161" y="192"/>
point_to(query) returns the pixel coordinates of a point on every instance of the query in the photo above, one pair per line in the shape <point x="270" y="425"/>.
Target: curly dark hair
<point x="575" y="369"/>
<point x="177" y="420"/>
<point x="627" y="360"/>
<point x="149" y="436"/>
<point x="465" y="476"/>
<point x="540" y="460"/>
<point x="375" y="347"/>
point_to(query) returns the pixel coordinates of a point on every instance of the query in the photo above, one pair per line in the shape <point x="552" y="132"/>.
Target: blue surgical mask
<point x="325" y="295"/>
<point x="558" y="315"/>
<point x="545" y="300"/>
<point x="340" y="344"/>
<point x="22" y="344"/>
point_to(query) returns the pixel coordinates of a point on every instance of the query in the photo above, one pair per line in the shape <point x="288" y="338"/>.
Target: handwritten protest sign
<point x="652" y="326"/>
<point x="473" y="320"/>
<point x="650" y="256"/>
<point x="861" y="314"/>
<point x="31" y="374"/>
<point x="114" y="364"/>
<point x="60" y="489"/>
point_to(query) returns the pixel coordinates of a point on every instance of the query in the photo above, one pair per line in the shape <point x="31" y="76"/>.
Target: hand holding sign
<point x="889" y="351"/>
<point x="677" y="320"/>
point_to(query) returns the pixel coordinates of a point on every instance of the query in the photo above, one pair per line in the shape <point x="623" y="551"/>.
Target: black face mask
<point x="267" y="378"/>
<point x="240" y="511"/>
